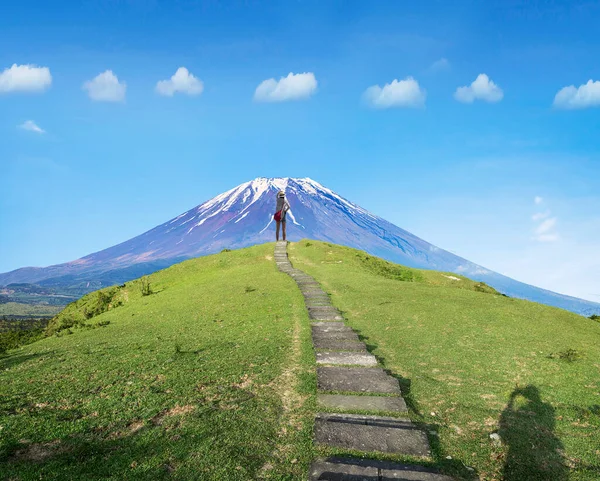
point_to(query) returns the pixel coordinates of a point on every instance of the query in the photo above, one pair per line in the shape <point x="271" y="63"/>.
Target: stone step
<point x="312" y="292"/>
<point x="318" y="303"/>
<point x="327" y="326"/>
<point x="346" y="358"/>
<point x="335" y="335"/>
<point x="319" y="297"/>
<point x="355" y="469"/>
<point x="324" y="310"/>
<point x="356" y="379"/>
<point x="347" y="402"/>
<point x="320" y="330"/>
<point x="322" y="316"/>
<point x="371" y="434"/>
<point x="339" y="345"/>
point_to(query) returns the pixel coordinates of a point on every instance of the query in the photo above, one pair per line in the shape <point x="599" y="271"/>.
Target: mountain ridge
<point x="243" y="216"/>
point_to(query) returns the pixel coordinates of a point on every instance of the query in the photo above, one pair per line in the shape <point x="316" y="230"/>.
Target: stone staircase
<point x="349" y="380"/>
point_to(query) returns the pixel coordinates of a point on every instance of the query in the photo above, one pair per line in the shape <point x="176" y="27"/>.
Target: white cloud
<point x="538" y="200"/>
<point x="540" y="216"/>
<point x="105" y="87"/>
<point x="183" y="81"/>
<point x="31" y="126"/>
<point x="547" y="237"/>
<point x="440" y="65"/>
<point x="399" y="93"/>
<point x="571" y="97"/>
<point x="482" y="88"/>
<point x="545" y="227"/>
<point x="293" y="87"/>
<point x="25" y="78"/>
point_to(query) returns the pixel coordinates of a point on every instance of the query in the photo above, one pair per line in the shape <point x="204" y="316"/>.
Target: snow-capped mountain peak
<point x="243" y="216"/>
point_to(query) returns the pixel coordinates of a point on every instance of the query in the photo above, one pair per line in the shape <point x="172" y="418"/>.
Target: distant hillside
<point x="243" y="216"/>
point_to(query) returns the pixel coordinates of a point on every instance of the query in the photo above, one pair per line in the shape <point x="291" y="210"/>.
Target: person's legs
<point x="277" y="231"/>
<point x="283" y="227"/>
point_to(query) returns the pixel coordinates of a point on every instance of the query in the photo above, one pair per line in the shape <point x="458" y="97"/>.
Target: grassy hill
<point x="476" y="363"/>
<point x="210" y="375"/>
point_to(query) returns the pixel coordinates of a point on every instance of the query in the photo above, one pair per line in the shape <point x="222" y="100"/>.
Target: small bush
<point x="308" y="244"/>
<point x="568" y="355"/>
<point x="388" y="269"/>
<point x="225" y="250"/>
<point x="250" y="289"/>
<point x="595" y="317"/>
<point x="483" y="287"/>
<point x="77" y="313"/>
<point x="145" y="287"/>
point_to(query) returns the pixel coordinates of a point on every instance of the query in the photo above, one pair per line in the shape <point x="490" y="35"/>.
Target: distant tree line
<point x="15" y="333"/>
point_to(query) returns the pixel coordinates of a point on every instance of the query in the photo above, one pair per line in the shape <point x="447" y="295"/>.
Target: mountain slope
<point x="198" y="380"/>
<point x="242" y="216"/>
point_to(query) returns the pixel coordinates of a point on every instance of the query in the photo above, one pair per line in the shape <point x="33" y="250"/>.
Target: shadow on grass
<point x="87" y="458"/>
<point x="452" y="467"/>
<point x="11" y="360"/>
<point x="142" y="451"/>
<point x="527" y="429"/>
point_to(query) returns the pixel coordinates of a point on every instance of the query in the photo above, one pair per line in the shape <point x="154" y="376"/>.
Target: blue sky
<point x="84" y="169"/>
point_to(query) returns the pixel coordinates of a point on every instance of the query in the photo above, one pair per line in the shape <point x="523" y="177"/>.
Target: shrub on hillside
<point x="595" y="317"/>
<point x="388" y="269"/>
<point x="145" y="287"/>
<point x="568" y="355"/>
<point x="483" y="287"/>
<point x="77" y="313"/>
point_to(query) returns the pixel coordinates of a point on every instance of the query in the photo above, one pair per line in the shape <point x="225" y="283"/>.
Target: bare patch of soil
<point x="38" y="452"/>
<point x="176" y="411"/>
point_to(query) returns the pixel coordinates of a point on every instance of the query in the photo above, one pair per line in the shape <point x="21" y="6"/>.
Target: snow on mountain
<point x="243" y="216"/>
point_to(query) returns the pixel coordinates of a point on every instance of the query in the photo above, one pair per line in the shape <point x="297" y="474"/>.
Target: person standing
<point x="280" y="213"/>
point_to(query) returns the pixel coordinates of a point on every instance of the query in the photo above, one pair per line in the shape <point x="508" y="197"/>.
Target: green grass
<point x="205" y="371"/>
<point x="209" y="377"/>
<point x="473" y="363"/>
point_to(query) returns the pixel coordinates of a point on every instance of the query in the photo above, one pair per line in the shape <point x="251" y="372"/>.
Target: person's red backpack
<point x="277" y="216"/>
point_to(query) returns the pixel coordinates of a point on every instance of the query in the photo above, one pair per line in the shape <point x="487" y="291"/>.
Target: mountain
<point x="243" y="216"/>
